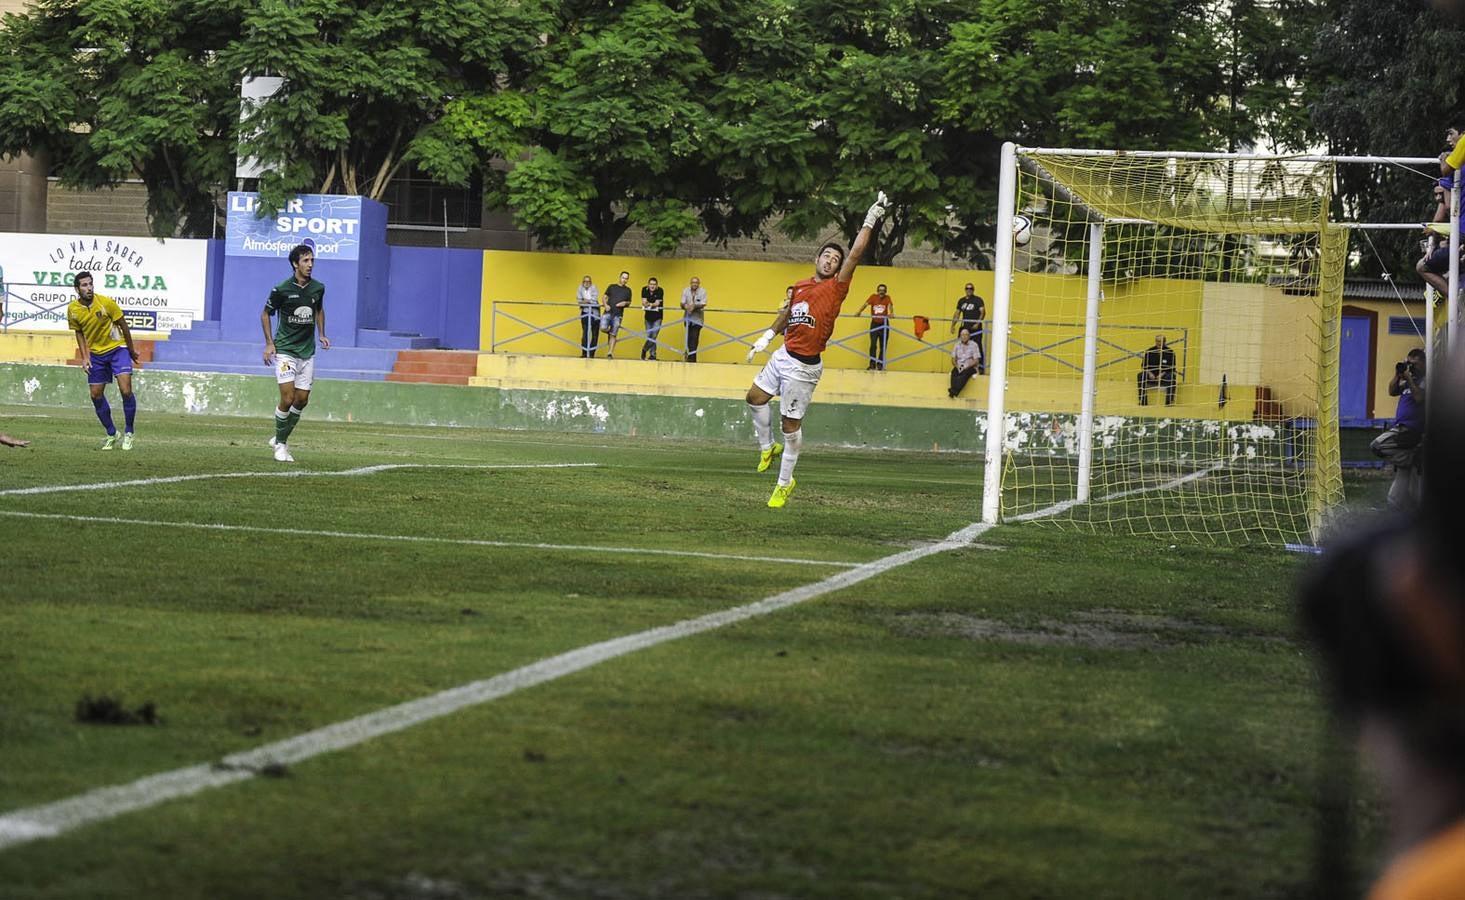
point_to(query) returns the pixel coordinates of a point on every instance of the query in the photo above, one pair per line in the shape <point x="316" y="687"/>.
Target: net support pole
<point x="1090" y="362"/>
<point x="1454" y="299"/>
<point x="997" y="340"/>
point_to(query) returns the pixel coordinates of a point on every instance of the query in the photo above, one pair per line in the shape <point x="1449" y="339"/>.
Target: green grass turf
<point x="1048" y="714"/>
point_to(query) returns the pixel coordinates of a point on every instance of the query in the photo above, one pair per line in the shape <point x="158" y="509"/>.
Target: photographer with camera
<point x="1400" y="444"/>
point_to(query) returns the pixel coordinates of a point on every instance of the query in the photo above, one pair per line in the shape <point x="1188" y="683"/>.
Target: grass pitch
<point x="1041" y="714"/>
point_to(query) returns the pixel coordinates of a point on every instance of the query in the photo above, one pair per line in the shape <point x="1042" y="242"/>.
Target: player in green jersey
<point x="299" y="302"/>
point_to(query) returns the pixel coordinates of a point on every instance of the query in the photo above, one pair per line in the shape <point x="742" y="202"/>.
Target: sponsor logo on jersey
<point x="798" y="314"/>
<point x="302" y="315"/>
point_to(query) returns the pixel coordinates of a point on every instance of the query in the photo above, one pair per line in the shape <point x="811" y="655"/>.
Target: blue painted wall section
<point x="435" y="293"/>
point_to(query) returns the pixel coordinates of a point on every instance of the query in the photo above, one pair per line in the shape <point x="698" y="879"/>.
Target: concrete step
<point x="251" y="352"/>
<point x="200" y="330"/>
<point x="262" y="370"/>
<point x="396" y="340"/>
<point x="429" y="377"/>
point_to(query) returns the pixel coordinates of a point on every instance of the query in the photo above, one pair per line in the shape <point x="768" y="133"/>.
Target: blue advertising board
<point x="328" y="223"/>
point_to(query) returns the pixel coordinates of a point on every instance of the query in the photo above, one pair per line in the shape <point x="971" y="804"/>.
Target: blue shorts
<point x="1438" y="262"/>
<point x="106" y="366"/>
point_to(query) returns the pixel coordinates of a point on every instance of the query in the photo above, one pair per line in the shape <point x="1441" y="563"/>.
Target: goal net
<point x="1165" y="345"/>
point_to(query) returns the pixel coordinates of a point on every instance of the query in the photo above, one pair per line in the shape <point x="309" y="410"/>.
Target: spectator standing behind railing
<point x="694" y="304"/>
<point x="617" y="298"/>
<point x="882" y="307"/>
<point x="653" y="299"/>
<point x="971" y="312"/>
<point x="964" y="358"/>
<point x="588" y="296"/>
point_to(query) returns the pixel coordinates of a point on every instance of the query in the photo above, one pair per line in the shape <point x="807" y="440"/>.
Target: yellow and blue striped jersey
<point x="97" y="322"/>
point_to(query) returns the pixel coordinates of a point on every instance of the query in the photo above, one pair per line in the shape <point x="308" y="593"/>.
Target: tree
<point x="1381" y="82"/>
<point x="366" y="81"/>
<point x="113" y="91"/>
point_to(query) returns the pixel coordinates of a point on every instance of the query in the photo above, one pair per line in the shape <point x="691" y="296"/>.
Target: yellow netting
<point x="1232" y="436"/>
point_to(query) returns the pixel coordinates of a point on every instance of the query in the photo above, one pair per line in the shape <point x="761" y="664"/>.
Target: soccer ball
<point x="1022" y="230"/>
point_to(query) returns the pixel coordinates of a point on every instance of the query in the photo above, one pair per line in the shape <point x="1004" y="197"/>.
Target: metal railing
<point x="518" y="326"/>
<point x="29" y="310"/>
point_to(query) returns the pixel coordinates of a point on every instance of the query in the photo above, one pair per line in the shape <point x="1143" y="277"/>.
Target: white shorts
<point x="290" y="368"/>
<point x="791" y="381"/>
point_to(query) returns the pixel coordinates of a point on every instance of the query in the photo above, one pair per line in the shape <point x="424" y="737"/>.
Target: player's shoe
<point x="765" y="459"/>
<point x="272" y="442"/>
<point x="110" y="442"/>
<point x="780" y="494"/>
<point x="127" y="440"/>
<point x="282" y="453"/>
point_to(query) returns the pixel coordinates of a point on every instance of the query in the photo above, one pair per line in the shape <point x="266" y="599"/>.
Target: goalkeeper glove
<point x="761" y="344"/>
<point x="877" y="210"/>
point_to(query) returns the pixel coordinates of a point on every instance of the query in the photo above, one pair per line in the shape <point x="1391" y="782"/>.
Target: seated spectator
<point x="617" y="298"/>
<point x="1434" y="266"/>
<point x="965" y="358"/>
<point x="1157" y="370"/>
<point x="1400" y="444"/>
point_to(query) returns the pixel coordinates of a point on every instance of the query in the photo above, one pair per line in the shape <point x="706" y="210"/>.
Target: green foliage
<point x="108" y="91"/>
<point x="743" y="113"/>
<point x="1382" y="80"/>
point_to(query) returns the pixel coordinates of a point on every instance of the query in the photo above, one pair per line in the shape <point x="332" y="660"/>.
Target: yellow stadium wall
<point x="743" y="297"/>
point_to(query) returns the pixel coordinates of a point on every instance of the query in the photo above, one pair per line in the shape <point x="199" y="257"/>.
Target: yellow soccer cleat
<point x="765" y="459"/>
<point x="110" y="442"/>
<point x="780" y="494"/>
<point x="127" y="440"/>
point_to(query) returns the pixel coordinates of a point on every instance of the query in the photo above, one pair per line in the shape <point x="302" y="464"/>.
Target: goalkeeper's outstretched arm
<point x="862" y="240"/>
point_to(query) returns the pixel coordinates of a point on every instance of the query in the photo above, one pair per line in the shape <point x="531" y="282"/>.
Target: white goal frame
<point x="1002" y="298"/>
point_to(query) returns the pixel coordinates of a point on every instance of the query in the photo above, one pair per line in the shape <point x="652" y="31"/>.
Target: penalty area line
<point x="284" y="473"/>
<point x="425" y="539"/>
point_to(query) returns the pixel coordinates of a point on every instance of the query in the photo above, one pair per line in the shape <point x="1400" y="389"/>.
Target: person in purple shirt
<point x="1400" y="444"/>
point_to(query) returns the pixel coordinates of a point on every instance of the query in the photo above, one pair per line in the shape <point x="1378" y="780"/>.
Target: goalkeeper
<point x="792" y="373"/>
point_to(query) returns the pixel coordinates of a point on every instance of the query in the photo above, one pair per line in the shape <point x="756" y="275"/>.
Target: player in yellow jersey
<point x="106" y="353"/>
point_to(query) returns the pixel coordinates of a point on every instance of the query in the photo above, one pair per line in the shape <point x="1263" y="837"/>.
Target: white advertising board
<point x="158" y="283"/>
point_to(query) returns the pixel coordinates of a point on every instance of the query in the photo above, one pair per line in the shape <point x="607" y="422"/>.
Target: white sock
<point x="762" y="425"/>
<point x="793" y="441"/>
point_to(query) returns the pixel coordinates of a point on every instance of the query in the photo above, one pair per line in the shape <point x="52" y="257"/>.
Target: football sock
<point x="129" y="410"/>
<point x="104" y="413"/>
<point x="281" y="431"/>
<point x="291" y="418"/>
<point x="793" y="441"/>
<point x="762" y="425"/>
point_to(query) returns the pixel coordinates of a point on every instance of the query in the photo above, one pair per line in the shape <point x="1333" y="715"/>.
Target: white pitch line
<point x="54" y="819"/>
<point x="283" y="473"/>
<point x="1169" y="485"/>
<point x="421" y="539"/>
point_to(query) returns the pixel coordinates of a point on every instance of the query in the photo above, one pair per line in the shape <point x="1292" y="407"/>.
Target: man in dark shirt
<point x="971" y="312"/>
<point x="617" y="298"/>
<point x="1157" y="370"/>
<point x="652" y="300"/>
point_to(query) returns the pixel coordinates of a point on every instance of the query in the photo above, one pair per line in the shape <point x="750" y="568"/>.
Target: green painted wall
<point x="899" y="428"/>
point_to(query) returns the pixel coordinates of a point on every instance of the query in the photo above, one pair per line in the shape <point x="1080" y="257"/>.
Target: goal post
<point x="1164" y="345"/>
